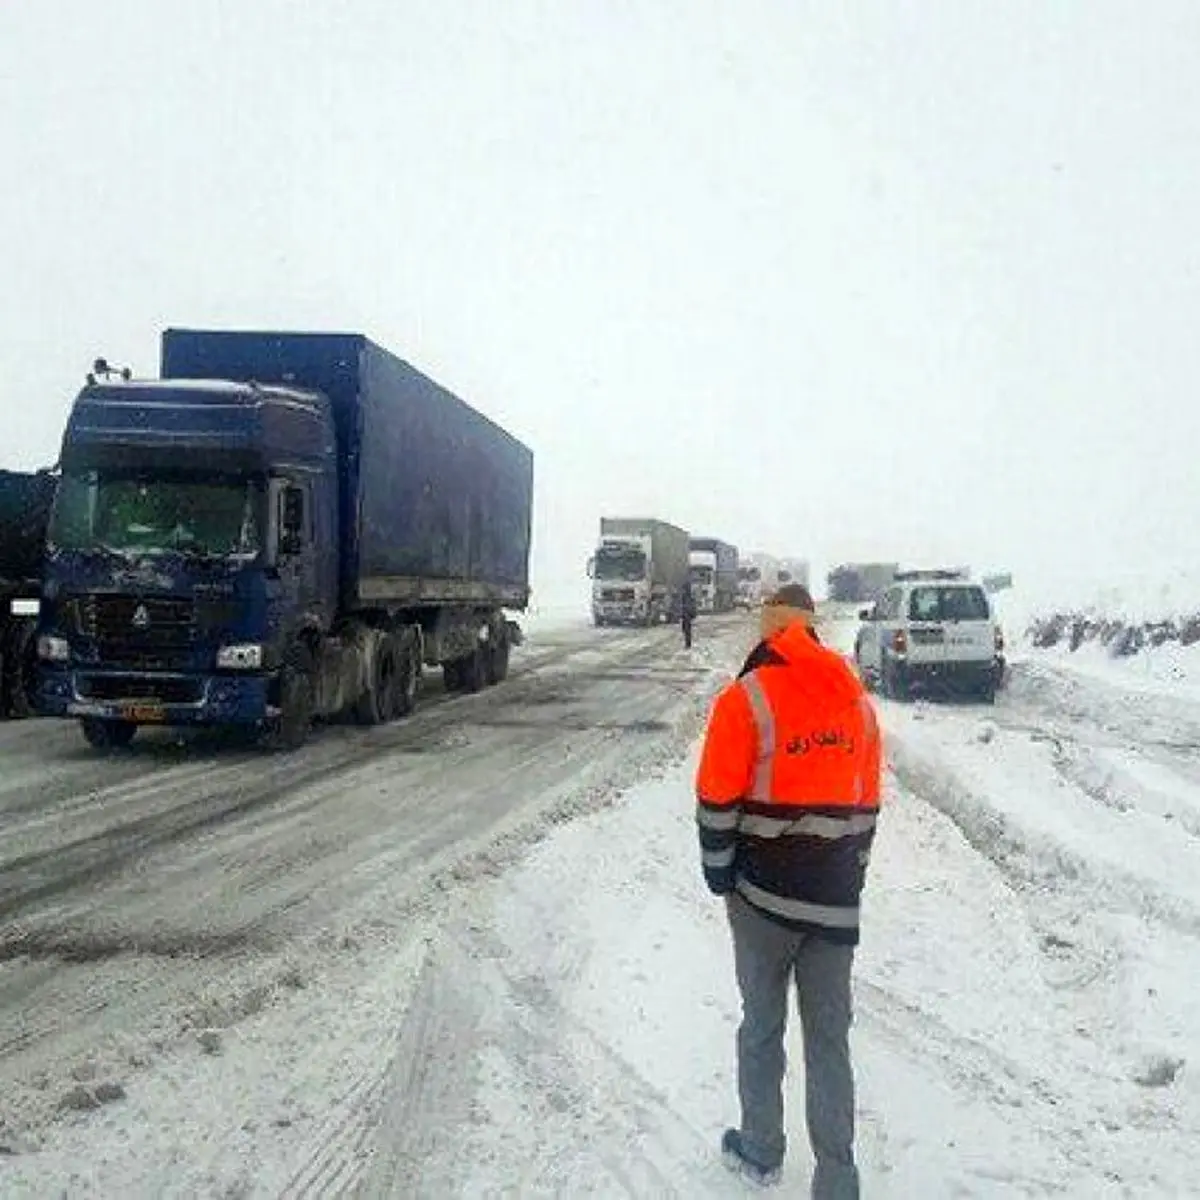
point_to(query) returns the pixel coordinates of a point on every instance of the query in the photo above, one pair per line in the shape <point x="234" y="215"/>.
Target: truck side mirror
<point x="291" y="524"/>
<point x="591" y="568"/>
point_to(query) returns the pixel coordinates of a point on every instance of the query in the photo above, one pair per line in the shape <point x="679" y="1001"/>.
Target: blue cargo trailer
<point x="283" y="526"/>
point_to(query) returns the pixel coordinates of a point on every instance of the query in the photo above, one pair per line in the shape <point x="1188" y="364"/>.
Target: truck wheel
<point x="289" y="731"/>
<point x="497" y="661"/>
<point x="408" y="678"/>
<point x="452" y="675"/>
<point x="24" y="681"/>
<point x="379" y="704"/>
<point x="107" y="735"/>
<point x="475" y="670"/>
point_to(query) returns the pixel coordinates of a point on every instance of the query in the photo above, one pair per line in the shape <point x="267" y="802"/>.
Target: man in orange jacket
<point x="789" y="791"/>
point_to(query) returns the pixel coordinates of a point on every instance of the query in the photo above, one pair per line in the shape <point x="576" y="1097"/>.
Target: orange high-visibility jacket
<point x="789" y="786"/>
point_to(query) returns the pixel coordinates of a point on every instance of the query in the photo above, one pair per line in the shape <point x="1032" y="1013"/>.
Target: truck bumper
<point x="619" y="614"/>
<point x="157" y="700"/>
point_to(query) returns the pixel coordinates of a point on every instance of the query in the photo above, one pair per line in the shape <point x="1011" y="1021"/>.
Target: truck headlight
<point x="25" y="607"/>
<point x="246" y="656"/>
<point x="53" y="649"/>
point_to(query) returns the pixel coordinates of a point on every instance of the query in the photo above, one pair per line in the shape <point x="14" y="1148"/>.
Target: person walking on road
<point x="788" y="793"/>
<point x="687" y="613"/>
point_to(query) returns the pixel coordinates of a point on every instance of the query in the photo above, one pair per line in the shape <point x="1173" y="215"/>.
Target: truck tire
<point x="107" y="735"/>
<point x="408" y="678"/>
<point x="497" y="660"/>
<point x="452" y="675"/>
<point x="23" y="681"/>
<point x="475" y="670"/>
<point x="392" y="689"/>
<point x="289" y="731"/>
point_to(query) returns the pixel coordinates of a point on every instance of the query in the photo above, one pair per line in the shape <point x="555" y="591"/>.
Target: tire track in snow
<point x="318" y="854"/>
<point x="599" y="1127"/>
<point x="1034" y="862"/>
<point x="210" y="793"/>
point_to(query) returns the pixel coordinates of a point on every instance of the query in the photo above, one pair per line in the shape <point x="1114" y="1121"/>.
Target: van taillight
<point x="999" y="640"/>
<point x="899" y="642"/>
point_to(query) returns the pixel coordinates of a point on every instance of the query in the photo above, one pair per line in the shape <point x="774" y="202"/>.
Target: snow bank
<point x="1168" y="668"/>
<point x="973" y="1076"/>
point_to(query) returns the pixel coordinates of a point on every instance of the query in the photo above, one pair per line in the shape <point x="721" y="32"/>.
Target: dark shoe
<point x="737" y="1160"/>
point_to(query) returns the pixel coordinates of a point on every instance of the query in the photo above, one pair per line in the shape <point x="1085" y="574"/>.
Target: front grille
<point x="618" y="594"/>
<point x="151" y="633"/>
<point x="139" y="687"/>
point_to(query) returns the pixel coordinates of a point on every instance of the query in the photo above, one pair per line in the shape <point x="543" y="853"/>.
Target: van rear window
<point x="948" y="604"/>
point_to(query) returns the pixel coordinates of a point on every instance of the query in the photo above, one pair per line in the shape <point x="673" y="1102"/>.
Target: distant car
<point x="929" y="633"/>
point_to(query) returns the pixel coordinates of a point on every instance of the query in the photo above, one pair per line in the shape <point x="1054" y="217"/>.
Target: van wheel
<point x="894" y="686"/>
<point x="107" y="735"/>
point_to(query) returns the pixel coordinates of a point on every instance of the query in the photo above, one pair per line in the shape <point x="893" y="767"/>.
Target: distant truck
<point x="25" y="500"/>
<point x="284" y="526"/>
<point x="860" y="583"/>
<point x="756" y="579"/>
<point x="713" y="572"/>
<point x="638" y="571"/>
<point x="792" y="570"/>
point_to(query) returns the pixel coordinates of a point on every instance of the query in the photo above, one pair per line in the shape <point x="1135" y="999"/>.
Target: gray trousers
<point x="768" y="956"/>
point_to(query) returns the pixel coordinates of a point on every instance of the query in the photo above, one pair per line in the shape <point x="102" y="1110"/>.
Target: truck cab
<point x="191" y="550"/>
<point x="622" y="581"/>
<point x="702" y="574"/>
<point x="750" y="587"/>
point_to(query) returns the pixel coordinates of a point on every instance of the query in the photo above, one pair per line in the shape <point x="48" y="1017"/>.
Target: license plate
<point x="144" y="714"/>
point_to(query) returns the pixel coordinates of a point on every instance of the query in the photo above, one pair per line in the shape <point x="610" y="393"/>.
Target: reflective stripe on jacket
<point x="789" y="786"/>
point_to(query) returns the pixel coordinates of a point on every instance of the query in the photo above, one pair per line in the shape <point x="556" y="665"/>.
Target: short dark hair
<point x="793" y="595"/>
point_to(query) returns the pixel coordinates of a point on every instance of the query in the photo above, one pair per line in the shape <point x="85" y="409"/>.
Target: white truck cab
<point x="621" y="581"/>
<point x="750" y="587"/>
<point x="931" y="629"/>
<point x="702" y="574"/>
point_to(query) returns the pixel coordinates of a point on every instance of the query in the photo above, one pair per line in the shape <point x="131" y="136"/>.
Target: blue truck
<point x="282" y="527"/>
<point x="25" y="499"/>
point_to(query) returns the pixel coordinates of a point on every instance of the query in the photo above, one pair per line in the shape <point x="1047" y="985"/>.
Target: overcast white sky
<point x="906" y="280"/>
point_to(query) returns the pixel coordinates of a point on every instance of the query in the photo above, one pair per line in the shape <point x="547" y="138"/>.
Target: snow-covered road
<point x="180" y="889"/>
<point x="367" y="979"/>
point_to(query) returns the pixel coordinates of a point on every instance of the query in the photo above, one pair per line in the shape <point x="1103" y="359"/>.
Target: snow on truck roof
<point x="212" y="387"/>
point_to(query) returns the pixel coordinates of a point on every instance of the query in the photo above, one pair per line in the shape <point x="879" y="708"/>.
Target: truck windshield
<point x="700" y="574"/>
<point x="627" y="565"/>
<point x="181" y="513"/>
